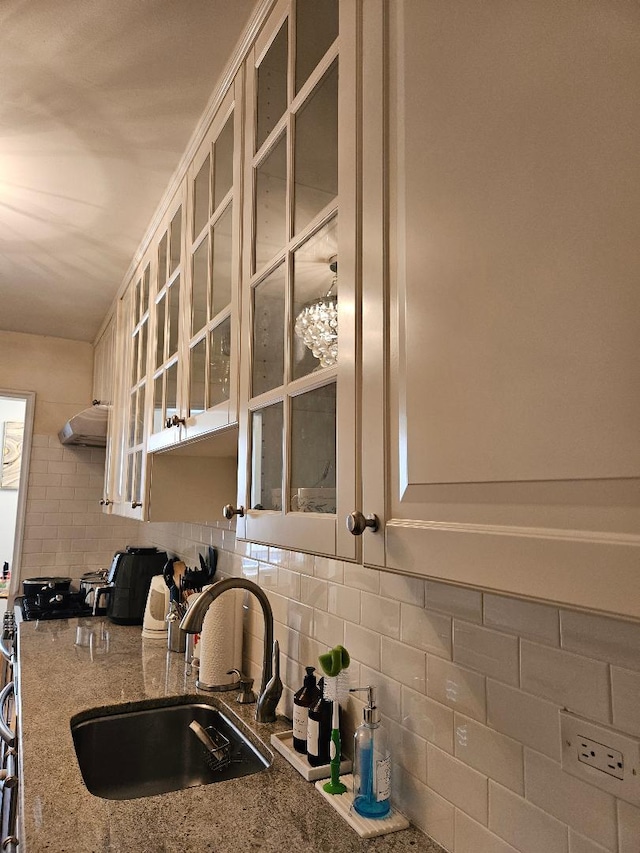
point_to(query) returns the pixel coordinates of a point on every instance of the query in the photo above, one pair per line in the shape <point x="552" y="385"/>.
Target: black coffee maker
<point x="128" y="583"/>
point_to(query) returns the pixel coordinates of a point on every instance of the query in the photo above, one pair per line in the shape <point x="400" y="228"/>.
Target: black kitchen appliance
<point x="51" y="598"/>
<point x="128" y="583"/>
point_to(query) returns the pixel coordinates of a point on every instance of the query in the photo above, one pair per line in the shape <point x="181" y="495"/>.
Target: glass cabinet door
<point x="214" y="250"/>
<point x="167" y="308"/>
<point x="298" y="421"/>
<point x="136" y="310"/>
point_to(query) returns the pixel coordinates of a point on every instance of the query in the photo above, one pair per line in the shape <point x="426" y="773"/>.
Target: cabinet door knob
<point x="135" y="504"/>
<point x="174" y="420"/>
<point x="229" y="511"/>
<point x="105" y="502"/>
<point x="357" y="523"/>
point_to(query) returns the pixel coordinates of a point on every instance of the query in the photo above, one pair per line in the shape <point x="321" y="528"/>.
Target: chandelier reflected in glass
<point x="317" y="324"/>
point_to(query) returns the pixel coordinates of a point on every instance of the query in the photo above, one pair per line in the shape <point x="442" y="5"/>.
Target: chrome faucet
<point x="271" y="686"/>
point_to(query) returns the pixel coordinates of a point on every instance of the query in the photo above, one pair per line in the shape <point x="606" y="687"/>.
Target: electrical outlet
<point x="603" y="757"/>
<point x="600" y="756"/>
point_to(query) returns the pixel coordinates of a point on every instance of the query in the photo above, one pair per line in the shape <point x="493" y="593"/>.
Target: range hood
<point x="88" y="428"/>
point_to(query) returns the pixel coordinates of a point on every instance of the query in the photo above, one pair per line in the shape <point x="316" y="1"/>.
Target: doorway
<point x="16" y="426"/>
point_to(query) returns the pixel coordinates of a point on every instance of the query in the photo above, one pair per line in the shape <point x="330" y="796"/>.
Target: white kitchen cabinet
<point x="104" y="366"/>
<point x="297" y="425"/>
<point x="166" y="366"/>
<point x="501" y="308"/>
<point x="212" y="299"/>
<point x="103" y="393"/>
<point x="130" y="493"/>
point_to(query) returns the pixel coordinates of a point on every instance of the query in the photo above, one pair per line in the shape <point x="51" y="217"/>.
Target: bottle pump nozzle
<point x="371" y="713"/>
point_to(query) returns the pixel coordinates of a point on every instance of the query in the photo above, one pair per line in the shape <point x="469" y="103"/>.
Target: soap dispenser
<point x="304" y="699"/>
<point x="371" y="763"/>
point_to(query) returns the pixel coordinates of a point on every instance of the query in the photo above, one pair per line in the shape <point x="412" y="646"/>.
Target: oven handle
<point x="6" y="734"/>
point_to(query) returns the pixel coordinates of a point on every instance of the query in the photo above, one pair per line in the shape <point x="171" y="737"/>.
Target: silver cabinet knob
<point x="174" y="420"/>
<point x="105" y="502"/>
<point x="135" y="504"/>
<point x="357" y="523"/>
<point x="229" y="511"/>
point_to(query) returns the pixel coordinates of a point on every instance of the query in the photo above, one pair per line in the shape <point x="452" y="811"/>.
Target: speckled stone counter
<point x="63" y="671"/>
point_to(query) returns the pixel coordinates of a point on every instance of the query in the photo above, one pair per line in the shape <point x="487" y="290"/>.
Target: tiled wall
<point x="471" y="686"/>
<point x="66" y="533"/>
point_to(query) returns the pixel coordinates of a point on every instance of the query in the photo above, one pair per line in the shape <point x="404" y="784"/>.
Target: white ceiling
<point x="98" y="100"/>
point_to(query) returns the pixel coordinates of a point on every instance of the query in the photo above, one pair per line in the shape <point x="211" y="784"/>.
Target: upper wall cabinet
<point x="168" y="308"/>
<point x="296" y="473"/>
<point x="104" y="366"/>
<point x="499" y="202"/>
<point x="196" y="306"/>
<point x="213" y="258"/>
<point x="134" y="388"/>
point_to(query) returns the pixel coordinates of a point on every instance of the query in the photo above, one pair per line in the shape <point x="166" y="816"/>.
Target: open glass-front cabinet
<point x="296" y="473"/>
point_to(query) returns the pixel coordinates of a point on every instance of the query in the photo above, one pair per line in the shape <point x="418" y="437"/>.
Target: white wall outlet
<point x="603" y="757"/>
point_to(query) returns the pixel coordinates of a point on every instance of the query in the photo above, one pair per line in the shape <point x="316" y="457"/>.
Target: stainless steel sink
<point x="149" y="749"/>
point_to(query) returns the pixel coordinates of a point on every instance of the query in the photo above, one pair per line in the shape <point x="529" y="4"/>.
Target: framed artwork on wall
<point x="11" y="434"/>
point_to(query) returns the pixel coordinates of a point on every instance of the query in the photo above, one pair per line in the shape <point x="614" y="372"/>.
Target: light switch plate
<point x="601" y="756"/>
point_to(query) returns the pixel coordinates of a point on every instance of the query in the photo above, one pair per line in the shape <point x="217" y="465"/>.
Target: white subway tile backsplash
<point x="50" y="454"/>
<point x="425" y="809"/>
<point x="492" y="754"/>
<point x="458" y="783"/>
<point x="36" y="493"/>
<point x="303" y="563"/>
<point x="425" y="630"/>
<point x="343" y="601"/>
<point x="330" y="570"/>
<point x="48" y="480"/>
<point x="601" y="637"/>
<point x="300" y="617"/>
<point x="526" y="618"/>
<point x="402" y="588"/>
<point x="456" y="600"/>
<point x="381" y="615"/>
<point x="409" y="751"/>
<point x="580" y="844"/>
<point x="328" y="629"/>
<point x="577" y="683"/>
<point x="362" y="644"/>
<point x="488" y="651"/>
<point x="528" y="828"/>
<point x="457" y="687"/>
<point x="404" y="664"/>
<point x="472" y="837"/>
<point x="289" y="583"/>
<point x="628" y="828"/>
<point x="360" y="577"/>
<point x="625" y="684"/>
<point x="278" y="557"/>
<point x="531" y="721"/>
<point x="587" y="809"/>
<point x="313" y="592"/>
<point x="427" y="718"/>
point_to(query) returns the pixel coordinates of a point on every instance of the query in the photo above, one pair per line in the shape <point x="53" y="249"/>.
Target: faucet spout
<point x="192" y="624"/>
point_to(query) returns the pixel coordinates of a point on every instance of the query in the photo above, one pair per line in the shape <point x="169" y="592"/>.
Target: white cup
<point x="319" y="499"/>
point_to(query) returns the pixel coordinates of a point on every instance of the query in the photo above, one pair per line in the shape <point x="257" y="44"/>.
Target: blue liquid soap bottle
<point x="371" y="763"/>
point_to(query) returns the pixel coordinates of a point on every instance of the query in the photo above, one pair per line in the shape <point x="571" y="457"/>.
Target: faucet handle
<point x="246" y="695"/>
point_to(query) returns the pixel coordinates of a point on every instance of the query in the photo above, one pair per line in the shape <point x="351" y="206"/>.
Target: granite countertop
<point x="274" y="810"/>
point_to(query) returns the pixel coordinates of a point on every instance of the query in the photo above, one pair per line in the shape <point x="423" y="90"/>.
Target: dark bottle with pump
<point x="319" y="731"/>
<point x="303" y="700"/>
